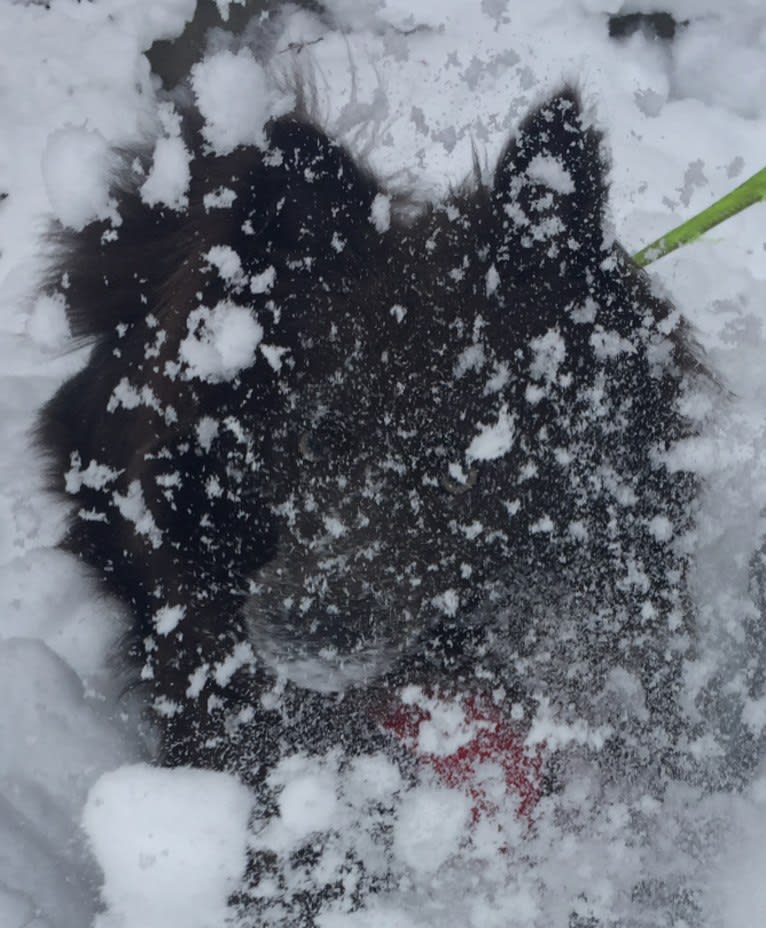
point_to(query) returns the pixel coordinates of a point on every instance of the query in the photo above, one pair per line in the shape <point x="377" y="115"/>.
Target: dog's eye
<point x="457" y="481"/>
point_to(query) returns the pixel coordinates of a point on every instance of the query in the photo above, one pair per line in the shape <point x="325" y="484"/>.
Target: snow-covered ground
<point x="413" y="86"/>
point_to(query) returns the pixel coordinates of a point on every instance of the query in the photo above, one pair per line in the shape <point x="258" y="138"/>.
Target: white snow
<point x="308" y="803"/>
<point x="47" y="324"/>
<point x="552" y="173"/>
<point x="234" y="98"/>
<point x="95" y="475"/>
<point x="207" y="430"/>
<point x="219" y="199"/>
<point x="549" y="352"/>
<point x="263" y="282"/>
<point x="76" y="167"/>
<point x="380" y="213"/>
<point x="493" y="280"/>
<point x="56" y="741"/>
<point x="132" y="506"/>
<point x="493" y="441"/>
<point x="685" y="122"/>
<point x="227" y="262"/>
<point x="181" y="850"/>
<point x="166" y="619"/>
<point x="221" y="341"/>
<point x="431" y="825"/>
<point x="273" y="355"/>
<point x="169" y="175"/>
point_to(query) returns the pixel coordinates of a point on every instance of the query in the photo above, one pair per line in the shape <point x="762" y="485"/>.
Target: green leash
<point x="740" y="198"/>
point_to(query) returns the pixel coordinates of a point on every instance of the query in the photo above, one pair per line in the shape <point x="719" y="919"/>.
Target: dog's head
<point x="365" y="425"/>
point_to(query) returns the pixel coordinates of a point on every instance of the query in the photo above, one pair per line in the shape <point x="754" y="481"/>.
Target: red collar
<point x="455" y="736"/>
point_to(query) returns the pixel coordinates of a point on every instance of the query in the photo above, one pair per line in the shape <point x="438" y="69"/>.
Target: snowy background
<point x="87" y="831"/>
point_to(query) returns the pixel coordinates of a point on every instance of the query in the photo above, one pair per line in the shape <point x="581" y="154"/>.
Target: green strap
<point x="740" y="198"/>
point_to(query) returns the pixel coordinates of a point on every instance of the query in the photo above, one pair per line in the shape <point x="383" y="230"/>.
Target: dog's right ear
<point x="310" y="202"/>
<point x="550" y="189"/>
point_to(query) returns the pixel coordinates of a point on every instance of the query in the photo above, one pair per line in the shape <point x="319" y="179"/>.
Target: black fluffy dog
<point x="324" y="450"/>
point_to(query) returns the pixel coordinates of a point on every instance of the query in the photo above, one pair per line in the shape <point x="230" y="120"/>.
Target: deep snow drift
<point x="412" y="86"/>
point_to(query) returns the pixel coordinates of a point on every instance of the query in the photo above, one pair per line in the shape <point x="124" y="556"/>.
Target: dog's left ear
<point x="313" y="199"/>
<point x="549" y="191"/>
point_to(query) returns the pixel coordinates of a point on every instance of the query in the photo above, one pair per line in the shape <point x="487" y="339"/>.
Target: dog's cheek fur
<point x="447" y="446"/>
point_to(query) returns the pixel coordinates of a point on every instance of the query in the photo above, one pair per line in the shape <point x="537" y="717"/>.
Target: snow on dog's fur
<point x="325" y="451"/>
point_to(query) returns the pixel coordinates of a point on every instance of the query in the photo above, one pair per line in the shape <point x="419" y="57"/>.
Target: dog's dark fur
<point x="321" y="528"/>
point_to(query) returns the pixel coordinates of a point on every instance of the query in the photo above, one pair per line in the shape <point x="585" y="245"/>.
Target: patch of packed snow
<point x="181" y="850"/>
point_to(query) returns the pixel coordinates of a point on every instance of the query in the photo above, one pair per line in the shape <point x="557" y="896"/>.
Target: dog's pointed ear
<point x="315" y="201"/>
<point x="549" y="193"/>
